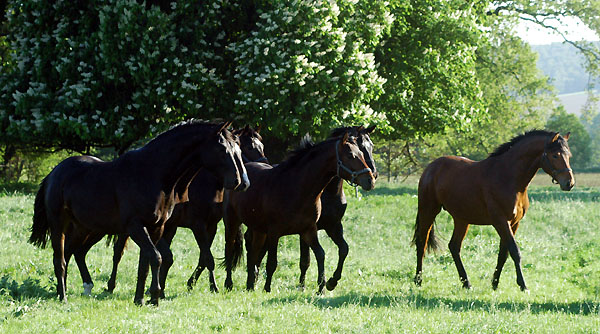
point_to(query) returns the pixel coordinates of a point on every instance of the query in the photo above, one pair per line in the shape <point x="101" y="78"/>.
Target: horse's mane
<point x="561" y="143"/>
<point x="192" y="123"/>
<point x="338" y="132"/>
<point x="305" y="148"/>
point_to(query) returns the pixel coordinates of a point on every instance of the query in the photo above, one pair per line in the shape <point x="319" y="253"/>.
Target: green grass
<point x="558" y="238"/>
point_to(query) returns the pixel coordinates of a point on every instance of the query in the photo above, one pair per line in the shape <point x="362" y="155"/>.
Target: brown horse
<point x="285" y="200"/>
<point x="201" y="214"/>
<point x="488" y="192"/>
<point x="134" y="194"/>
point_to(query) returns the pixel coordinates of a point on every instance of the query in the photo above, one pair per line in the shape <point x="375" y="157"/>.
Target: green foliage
<point x="579" y="140"/>
<point x="428" y="60"/>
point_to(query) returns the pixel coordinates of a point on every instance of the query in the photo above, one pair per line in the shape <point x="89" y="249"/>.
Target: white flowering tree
<point x="98" y="73"/>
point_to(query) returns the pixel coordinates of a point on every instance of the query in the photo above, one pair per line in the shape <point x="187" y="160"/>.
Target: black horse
<point x="201" y="214"/>
<point x="134" y="194"/>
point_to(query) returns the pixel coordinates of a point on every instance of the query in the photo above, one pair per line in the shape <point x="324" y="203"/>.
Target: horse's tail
<point x="40" y="230"/>
<point x="234" y="258"/>
<point x="433" y="242"/>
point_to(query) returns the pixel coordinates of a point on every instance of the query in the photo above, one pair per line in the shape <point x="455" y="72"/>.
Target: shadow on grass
<point x="417" y="300"/>
<point x="386" y="189"/>
<point x="30" y="288"/>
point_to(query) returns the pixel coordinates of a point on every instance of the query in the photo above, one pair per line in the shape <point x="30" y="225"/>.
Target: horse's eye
<point x="555" y="156"/>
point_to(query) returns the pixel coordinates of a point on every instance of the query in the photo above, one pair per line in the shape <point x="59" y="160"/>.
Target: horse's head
<point x="351" y="164"/>
<point x="251" y="144"/>
<point x="225" y="159"/>
<point x="555" y="161"/>
<point x="363" y="141"/>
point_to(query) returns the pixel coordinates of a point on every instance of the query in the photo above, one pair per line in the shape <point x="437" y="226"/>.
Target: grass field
<point x="559" y="242"/>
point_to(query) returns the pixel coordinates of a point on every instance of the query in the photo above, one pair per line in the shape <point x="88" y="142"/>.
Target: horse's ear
<point x="257" y="129"/>
<point x="566" y="137"/>
<point x="247" y="128"/>
<point x="222" y="127"/>
<point x="360" y="129"/>
<point x="370" y="129"/>
<point x="555" y="138"/>
<point x="345" y="138"/>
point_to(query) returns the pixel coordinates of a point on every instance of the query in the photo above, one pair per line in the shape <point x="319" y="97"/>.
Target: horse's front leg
<point x="148" y="255"/>
<point x="311" y="238"/>
<point x="336" y="233"/>
<point x="502" y="256"/>
<point x="304" y="262"/>
<point x="507" y="237"/>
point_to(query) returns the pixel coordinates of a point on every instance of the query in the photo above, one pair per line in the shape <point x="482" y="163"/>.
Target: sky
<point x="573" y="27"/>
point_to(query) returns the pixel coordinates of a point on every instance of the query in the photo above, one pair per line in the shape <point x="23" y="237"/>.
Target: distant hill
<point x="563" y="64"/>
<point x="573" y="102"/>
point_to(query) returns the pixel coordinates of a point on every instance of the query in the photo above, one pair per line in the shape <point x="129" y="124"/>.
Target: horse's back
<point x="455" y="183"/>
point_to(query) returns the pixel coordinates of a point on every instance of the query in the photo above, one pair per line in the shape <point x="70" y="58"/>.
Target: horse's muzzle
<point x="567" y="185"/>
<point x="367" y="182"/>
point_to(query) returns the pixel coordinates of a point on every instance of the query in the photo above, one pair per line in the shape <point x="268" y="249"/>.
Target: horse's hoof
<point x="467" y="285"/>
<point x="495" y="285"/>
<point x="524" y="289"/>
<point x="300" y="287"/>
<point x="267" y="289"/>
<point x="331" y="284"/>
<point x="418" y="281"/>
<point x="87" y="289"/>
<point x="214" y="289"/>
<point x="138" y="302"/>
<point x="190" y="285"/>
<point x="153" y="301"/>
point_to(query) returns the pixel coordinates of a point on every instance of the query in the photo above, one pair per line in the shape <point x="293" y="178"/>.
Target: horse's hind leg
<point x="337" y="235"/>
<point x="507" y="237"/>
<point x="60" y="265"/>
<point x="272" y="243"/>
<point x="254" y="246"/>
<point x="502" y="256"/>
<point x="460" y="230"/>
<point x="304" y="261"/>
<point x="118" y="248"/>
<point x="424" y="236"/>
<point x="80" y="253"/>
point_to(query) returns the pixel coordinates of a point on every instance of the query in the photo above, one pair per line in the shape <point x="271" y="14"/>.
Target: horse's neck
<point x="314" y="175"/>
<point x="177" y="163"/>
<point x="526" y="159"/>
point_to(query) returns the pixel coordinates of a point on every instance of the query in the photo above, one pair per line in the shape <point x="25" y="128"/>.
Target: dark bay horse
<point x="201" y="214"/>
<point x="333" y="208"/>
<point x="488" y="192"/>
<point x="134" y="194"/>
<point x="285" y="200"/>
